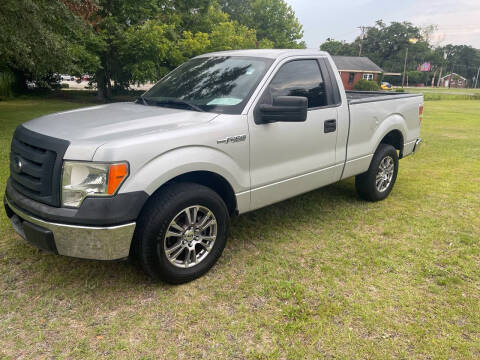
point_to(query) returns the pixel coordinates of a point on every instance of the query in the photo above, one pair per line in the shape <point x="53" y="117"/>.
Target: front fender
<point x="173" y="163"/>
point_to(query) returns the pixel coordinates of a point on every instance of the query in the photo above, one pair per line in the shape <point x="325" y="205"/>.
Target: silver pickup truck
<point x="223" y="134"/>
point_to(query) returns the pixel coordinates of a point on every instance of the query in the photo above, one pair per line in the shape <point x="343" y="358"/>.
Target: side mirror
<point x="284" y="108"/>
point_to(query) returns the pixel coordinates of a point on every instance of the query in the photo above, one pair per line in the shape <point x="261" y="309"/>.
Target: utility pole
<point x="476" y="78"/>
<point x="405" y="67"/>
<point x="363" y="29"/>
<point x="411" y="41"/>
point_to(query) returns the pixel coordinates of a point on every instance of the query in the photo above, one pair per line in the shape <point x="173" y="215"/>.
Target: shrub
<point x="366" y="85"/>
<point x="6" y="83"/>
<point x="64" y="86"/>
<point x="399" y="90"/>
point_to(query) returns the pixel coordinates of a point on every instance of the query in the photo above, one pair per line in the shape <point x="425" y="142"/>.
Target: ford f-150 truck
<point x="223" y="134"/>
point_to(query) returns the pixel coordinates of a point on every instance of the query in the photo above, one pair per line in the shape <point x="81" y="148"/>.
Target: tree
<point x="335" y="47"/>
<point x="273" y="20"/>
<point x="41" y="37"/>
<point x="386" y="45"/>
<point x="122" y="42"/>
<point x="461" y="59"/>
<point x="144" y="43"/>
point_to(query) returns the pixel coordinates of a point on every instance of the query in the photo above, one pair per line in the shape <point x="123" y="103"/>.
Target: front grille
<point x="36" y="165"/>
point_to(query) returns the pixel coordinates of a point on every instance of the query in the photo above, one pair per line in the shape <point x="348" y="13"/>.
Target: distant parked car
<point x="67" y="77"/>
<point x="386" y="86"/>
<point x="86" y="77"/>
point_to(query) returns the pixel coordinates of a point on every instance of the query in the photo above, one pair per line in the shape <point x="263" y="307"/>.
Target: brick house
<point x="453" y="81"/>
<point x="354" y="68"/>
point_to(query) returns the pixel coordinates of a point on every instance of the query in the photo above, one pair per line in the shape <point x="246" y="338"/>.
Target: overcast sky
<point x="458" y="21"/>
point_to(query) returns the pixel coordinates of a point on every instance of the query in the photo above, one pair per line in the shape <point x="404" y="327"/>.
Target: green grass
<point x="445" y="93"/>
<point x="323" y="275"/>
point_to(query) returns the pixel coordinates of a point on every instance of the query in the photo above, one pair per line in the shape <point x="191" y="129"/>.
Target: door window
<point x="351" y="77"/>
<point x="299" y="78"/>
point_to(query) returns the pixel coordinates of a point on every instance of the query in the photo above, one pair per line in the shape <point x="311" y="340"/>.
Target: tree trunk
<point x="103" y="92"/>
<point x="108" y="87"/>
<point x="439" y="76"/>
<point x="20" y="85"/>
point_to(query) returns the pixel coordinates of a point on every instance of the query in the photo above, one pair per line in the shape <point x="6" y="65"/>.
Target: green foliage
<point x="366" y="85"/>
<point x="144" y="43"/>
<point x="145" y="52"/>
<point x="124" y="42"/>
<point x="6" y="83"/>
<point x="334" y="47"/>
<point x="42" y="36"/>
<point x="231" y="35"/>
<point x="417" y="77"/>
<point x="460" y="59"/>
<point x="273" y="20"/>
<point x="386" y="45"/>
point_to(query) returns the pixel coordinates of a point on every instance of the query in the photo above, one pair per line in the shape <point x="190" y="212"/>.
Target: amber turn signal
<point x="116" y="174"/>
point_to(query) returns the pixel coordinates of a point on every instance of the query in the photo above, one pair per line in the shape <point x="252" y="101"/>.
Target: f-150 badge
<point x="232" y="139"/>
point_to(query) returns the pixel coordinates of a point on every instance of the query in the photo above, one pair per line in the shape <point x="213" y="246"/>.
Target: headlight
<point x="82" y="179"/>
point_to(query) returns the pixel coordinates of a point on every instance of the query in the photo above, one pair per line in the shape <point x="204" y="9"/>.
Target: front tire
<point x="377" y="183"/>
<point x="181" y="232"/>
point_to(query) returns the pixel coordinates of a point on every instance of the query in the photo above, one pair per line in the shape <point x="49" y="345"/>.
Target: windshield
<point x="217" y="84"/>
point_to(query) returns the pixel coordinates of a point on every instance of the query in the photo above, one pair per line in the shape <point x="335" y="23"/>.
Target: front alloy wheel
<point x="181" y="232"/>
<point x="190" y="236"/>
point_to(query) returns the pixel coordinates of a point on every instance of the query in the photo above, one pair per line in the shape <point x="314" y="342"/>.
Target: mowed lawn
<point x="323" y="275"/>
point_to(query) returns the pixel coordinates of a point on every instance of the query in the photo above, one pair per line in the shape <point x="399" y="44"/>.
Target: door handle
<point x="330" y="126"/>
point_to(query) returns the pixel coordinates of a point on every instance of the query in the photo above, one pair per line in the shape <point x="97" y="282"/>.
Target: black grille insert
<point x="36" y="165"/>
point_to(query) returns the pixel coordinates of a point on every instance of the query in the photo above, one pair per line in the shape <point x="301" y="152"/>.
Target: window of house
<point x="368" y="76"/>
<point x="351" y="77"/>
<point x="299" y="78"/>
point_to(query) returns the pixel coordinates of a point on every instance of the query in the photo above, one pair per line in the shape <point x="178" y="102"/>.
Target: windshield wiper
<point x="140" y="98"/>
<point x="173" y="101"/>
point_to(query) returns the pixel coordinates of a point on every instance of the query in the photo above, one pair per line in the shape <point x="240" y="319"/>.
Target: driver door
<point x="289" y="158"/>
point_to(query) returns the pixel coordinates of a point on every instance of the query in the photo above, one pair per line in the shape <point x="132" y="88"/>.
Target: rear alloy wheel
<point x="385" y="173"/>
<point x="181" y="233"/>
<point x="377" y="183"/>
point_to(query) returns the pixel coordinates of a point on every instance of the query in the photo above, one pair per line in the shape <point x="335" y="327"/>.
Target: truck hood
<point x="100" y="124"/>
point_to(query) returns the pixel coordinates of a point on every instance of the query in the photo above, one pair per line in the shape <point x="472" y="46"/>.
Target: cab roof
<point x="268" y="53"/>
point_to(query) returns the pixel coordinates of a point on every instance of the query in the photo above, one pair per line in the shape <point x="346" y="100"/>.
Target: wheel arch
<point x="209" y="179"/>
<point x="212" y="180"/>
<point x="394" y="138"/>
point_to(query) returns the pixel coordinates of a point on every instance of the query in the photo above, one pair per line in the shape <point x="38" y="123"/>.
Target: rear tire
<point x="181" y="232"/>
<point x="377" y="183"/>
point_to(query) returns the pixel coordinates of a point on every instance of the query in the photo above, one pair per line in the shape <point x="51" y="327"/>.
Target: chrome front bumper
<point x="87" y="242"/>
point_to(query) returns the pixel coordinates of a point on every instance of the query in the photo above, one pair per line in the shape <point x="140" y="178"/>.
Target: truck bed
<point x="358" y="97"/>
